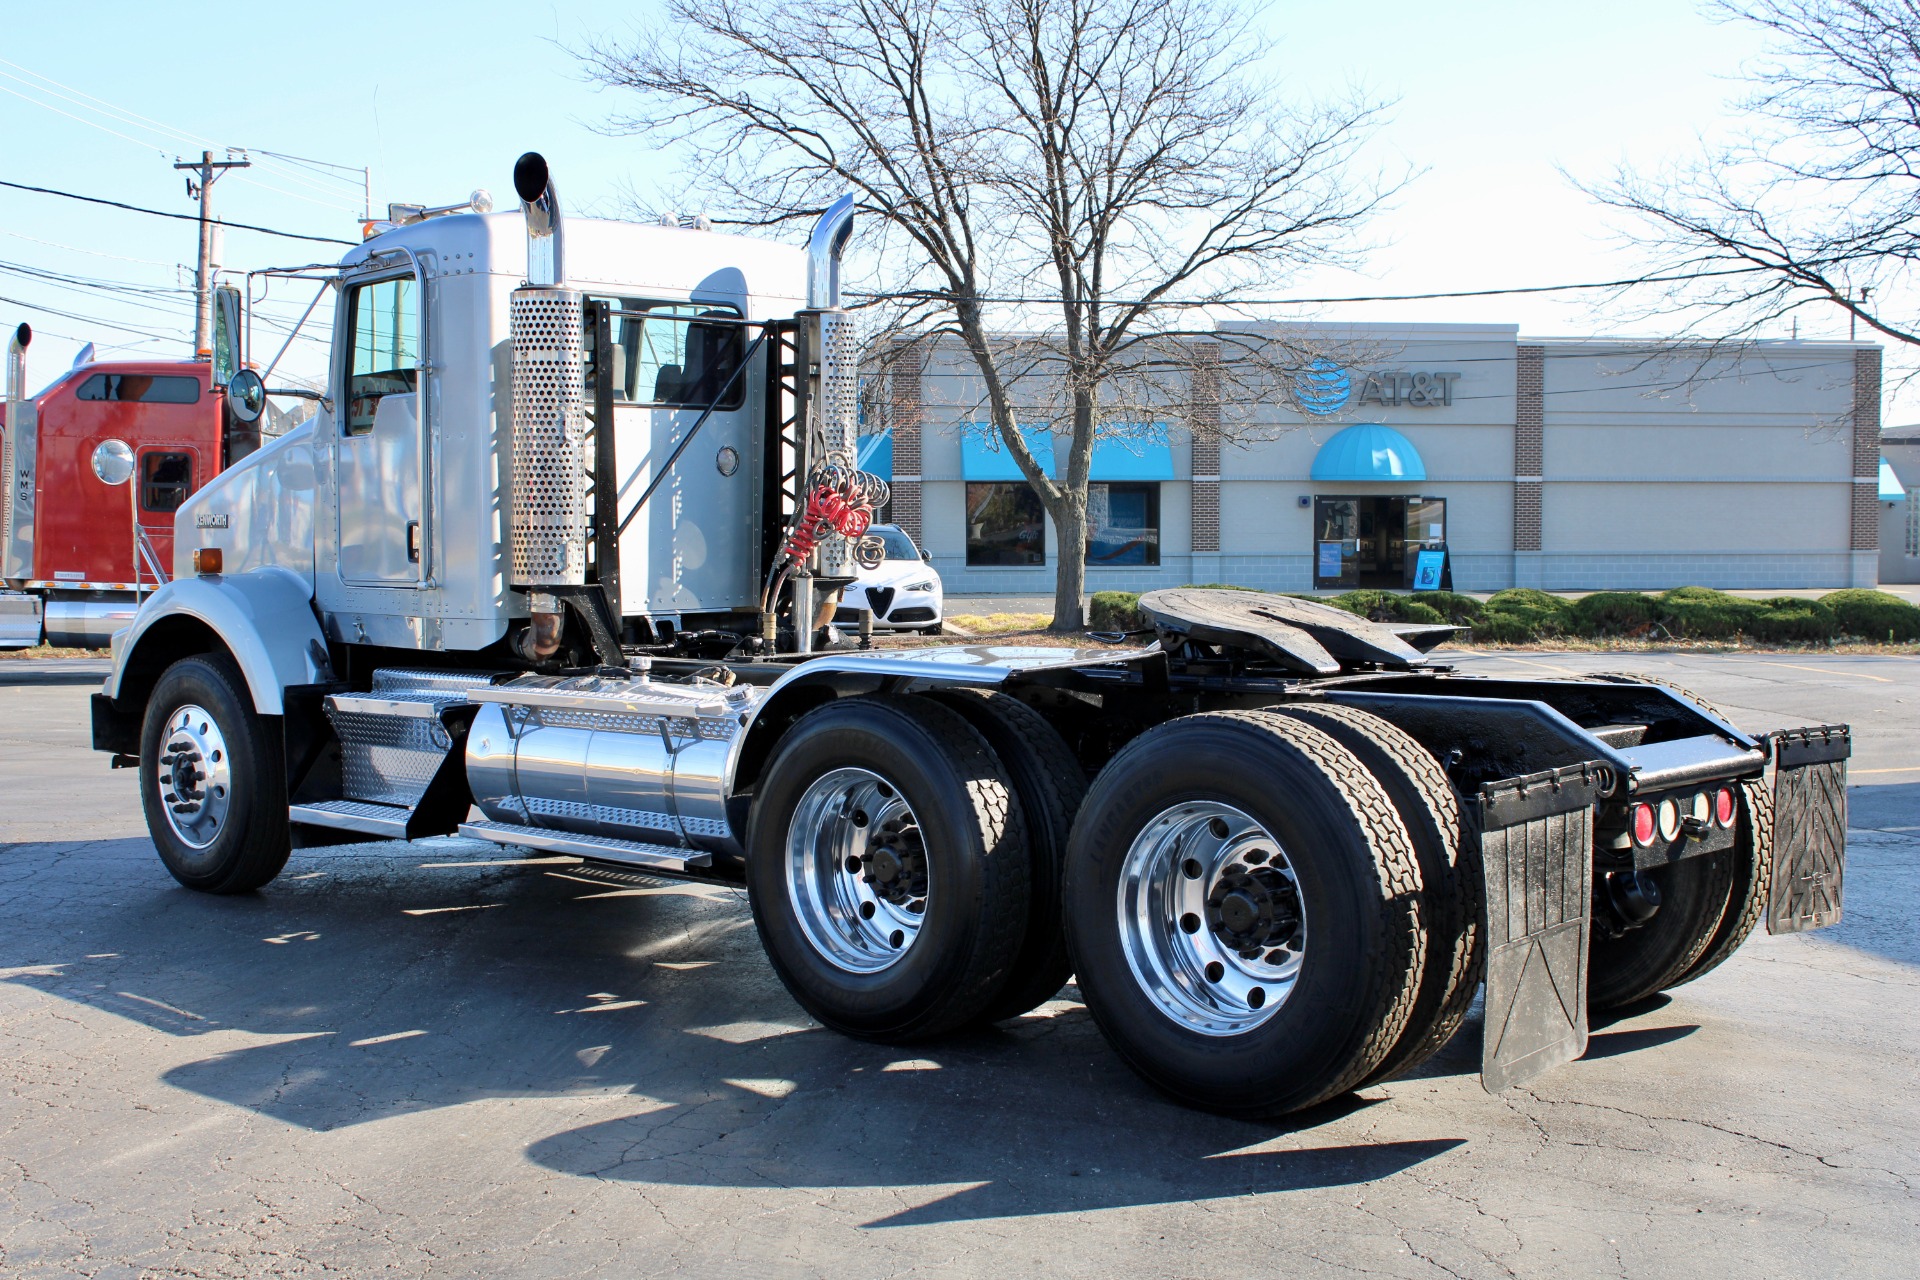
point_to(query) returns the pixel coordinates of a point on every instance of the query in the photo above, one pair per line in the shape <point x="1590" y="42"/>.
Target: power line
<point x="70" y="315"/>
<point x="935" y="296"/>
<point x="180" y="217"/>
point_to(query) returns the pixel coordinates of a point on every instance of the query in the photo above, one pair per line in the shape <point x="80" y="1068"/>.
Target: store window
<point x="140" y="388"/>
<point x="1006" y="525"/>
<point x="665" y="357"/>
<point x="1123" y="524"/>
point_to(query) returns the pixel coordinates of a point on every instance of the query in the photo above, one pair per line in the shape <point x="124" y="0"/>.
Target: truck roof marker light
<point x="533" y="183"/>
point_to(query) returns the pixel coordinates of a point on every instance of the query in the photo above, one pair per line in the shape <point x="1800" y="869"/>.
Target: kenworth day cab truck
<point x="76" y="552"/>
<point x="558" y="548"/>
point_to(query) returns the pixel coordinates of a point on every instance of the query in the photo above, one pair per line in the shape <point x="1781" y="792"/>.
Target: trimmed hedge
<point x="1520" y="615"/>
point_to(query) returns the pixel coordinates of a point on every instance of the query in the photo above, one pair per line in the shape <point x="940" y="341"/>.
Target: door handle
<point x="413" y="541"/>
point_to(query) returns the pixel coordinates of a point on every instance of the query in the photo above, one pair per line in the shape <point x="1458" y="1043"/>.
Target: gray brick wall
<point x="1528" y="417"/>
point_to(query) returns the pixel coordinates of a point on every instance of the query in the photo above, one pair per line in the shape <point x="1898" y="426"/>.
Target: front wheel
<point x="212" y="779"/>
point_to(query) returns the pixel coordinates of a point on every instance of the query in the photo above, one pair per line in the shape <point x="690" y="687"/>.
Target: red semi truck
<point x="77" y="553"/>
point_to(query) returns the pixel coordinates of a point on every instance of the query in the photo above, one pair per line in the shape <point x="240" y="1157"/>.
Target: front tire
<point x="887" y="868"/>
<point x="1242" y="906"/>
<point x="212" y="779"/>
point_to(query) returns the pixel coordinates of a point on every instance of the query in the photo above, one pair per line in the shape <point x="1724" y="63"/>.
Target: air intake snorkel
<point x="546" y="259"/>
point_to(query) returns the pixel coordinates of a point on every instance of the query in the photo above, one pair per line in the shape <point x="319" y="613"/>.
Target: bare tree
<point x="1091" y="174"/>
<point x="1820" y="206"/>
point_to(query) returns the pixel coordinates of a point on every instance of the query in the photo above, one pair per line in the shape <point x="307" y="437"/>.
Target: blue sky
<point x="1494" y="98"/>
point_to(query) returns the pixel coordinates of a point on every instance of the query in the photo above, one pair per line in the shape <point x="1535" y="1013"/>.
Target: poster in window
<point x="1330" y="559"/>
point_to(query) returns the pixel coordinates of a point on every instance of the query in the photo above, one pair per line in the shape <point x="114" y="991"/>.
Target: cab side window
<point x="139" y="388"/>
<point x="383" y="328"/>
<point x="665" y="356"/>
<point x="165" y="480"/>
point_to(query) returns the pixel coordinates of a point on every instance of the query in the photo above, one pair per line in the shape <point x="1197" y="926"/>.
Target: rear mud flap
<point x="1536" y="846"/>
<point x="1809" y="827"/>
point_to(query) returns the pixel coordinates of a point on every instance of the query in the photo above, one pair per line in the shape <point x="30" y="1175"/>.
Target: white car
<point x="903" y="591"/>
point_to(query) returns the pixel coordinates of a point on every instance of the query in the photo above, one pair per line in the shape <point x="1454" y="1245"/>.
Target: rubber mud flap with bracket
<point x="1536" y="844"/>
<point x="1809" y="827"/>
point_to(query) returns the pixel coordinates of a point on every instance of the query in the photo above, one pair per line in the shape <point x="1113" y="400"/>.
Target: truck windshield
<point x="673" y="362"/>
<point x="382" y="319"/>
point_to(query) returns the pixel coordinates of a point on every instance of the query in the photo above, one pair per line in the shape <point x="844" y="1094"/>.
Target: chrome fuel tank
<point x="614" y="756"/>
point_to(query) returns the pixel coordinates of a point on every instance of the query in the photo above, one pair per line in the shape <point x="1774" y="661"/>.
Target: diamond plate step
<point x="632" y="853"/>
<point x="354" y="815"/>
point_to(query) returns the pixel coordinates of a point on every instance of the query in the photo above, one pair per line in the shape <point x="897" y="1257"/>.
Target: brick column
<point x="1528" y="473"/>
<point x="1203" y="411"/>
<point x="903" y="416"/>
<point x="1866" y="450"/>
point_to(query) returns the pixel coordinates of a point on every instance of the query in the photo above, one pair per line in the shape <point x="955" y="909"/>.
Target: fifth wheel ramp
<point x="1536" y="845"/>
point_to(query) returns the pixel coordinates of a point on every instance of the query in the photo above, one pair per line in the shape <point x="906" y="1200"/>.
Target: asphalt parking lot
<point x="433" y="1059"/>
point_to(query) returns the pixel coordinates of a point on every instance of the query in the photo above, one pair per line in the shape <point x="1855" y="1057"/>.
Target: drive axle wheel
<point x="887" y="867"/>
<point x="1242" y="905"/>
<point x="211" y="779"/>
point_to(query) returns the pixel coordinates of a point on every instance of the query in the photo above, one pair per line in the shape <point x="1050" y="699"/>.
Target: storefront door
<point x="1372" y="541"/>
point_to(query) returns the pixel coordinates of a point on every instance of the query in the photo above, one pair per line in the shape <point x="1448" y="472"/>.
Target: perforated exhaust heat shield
<point x="552" y="471"/>
<point x="836" y="426"/>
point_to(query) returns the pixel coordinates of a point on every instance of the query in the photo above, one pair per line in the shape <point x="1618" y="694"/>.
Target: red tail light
<point x="1643" y="824"/>
<point x="1723" y="806"/>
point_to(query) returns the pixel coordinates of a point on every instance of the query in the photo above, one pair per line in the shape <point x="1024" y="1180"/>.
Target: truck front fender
<point x="263" y="617"/>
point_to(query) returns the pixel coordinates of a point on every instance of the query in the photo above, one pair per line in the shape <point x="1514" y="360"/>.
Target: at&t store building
<point x="1566" y="464"/>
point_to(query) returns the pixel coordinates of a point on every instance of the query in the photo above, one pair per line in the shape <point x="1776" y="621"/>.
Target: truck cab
<point x="86" y="548"/>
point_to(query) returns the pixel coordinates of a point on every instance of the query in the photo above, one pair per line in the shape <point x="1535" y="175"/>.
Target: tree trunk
<point x="1070" y="566"/>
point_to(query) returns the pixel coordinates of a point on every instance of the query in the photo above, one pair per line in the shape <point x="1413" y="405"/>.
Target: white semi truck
<point x="546" y="570"/>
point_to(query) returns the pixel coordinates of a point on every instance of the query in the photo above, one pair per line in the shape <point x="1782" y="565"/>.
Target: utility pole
<point x="209" y="169"/>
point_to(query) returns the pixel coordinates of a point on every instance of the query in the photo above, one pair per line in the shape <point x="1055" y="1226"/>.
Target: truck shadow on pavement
<point x="368" y="985"/>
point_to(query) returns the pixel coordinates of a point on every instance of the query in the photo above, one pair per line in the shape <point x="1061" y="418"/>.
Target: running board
<point x="628" y="853"/>
<point x="354" y="815"/>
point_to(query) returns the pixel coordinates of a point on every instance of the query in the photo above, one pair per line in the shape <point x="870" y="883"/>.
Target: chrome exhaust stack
<point x="834" y="397"/>
<point x="17" y="363"/>
<point x="548" y="511"/>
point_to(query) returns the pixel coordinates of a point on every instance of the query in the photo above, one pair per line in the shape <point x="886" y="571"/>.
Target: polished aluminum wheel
<point x="196" y="776"/>
<point x="857" y="870"/>
<point x="1211" y="917"/>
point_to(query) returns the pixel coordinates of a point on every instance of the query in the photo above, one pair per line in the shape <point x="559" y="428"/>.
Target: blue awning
<point x="1147" y="455"/>
<point x="1368" y="451"/>
<point x="875" y="454"/>
<point x="1891" y="490"/>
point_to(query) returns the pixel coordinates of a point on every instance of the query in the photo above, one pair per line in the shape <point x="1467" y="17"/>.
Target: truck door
<point x="378" y="452"/>
<point x="168" y="476"/>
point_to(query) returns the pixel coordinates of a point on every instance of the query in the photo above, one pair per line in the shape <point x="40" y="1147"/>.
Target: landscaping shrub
<point x="1873" y="615"/>
<point x="1614" y="613"/>
<point x="1791" y="620"/>
<point x="1387" y="606"/>
<point x="1462" y="611"/>
<point x="1519" y="614"/>
<point x="1115" y="611"/>
<point x="1701" y="613"/>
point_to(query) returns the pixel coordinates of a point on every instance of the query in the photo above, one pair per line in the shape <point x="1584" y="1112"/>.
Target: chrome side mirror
<point x="113" y="462"/>
<point x="246" y="396"/>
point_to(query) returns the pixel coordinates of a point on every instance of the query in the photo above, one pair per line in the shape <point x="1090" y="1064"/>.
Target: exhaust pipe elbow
<point x="17" y="362"/>
<point x="824" y="247"/>
<point x="540" y="638"/>
<point x="546" y="259"/>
